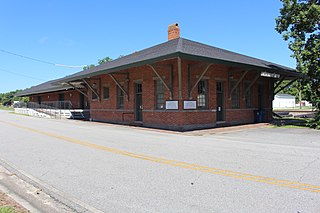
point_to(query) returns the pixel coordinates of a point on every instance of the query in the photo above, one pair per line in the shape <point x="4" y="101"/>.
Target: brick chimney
<point x="173" y="31"/>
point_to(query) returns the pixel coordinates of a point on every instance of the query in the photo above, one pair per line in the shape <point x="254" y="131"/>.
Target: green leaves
<point x="6" y="98"/>
<point x="298" y="23"/>
<point x="104" y="60"/>
<point x="100" y="61"/>
<point x="88" y="67"/>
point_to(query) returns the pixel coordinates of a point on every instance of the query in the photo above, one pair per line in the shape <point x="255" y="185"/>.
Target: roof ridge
<point x="180" y="45"/>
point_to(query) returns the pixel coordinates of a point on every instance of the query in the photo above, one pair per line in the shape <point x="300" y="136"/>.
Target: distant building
<point x="304" y="103"/>
<point x="284" y="101"/>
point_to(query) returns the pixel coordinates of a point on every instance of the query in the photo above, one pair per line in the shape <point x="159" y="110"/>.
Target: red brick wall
<point x="69" y="95"/>
<point x="105" y="110"/>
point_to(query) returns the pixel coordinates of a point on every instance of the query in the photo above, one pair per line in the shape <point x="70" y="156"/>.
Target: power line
<point x="19" y="74"/>
<point x="26" y="57"/>
<point x="69" y="66"/>
<point x="39" y="60"/>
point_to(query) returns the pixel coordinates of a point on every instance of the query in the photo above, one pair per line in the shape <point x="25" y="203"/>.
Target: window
<point x="138" y="88"/>
<point x="219" y="87"/>
<point x="235" y="96"/>
<point x="93" y="94"/>
<point x="202" y="94"/>
<point x="39" y="99"/>
<point x="159" y="94"/>
<point x="106" y="94"/>
<point x="248" y="95"/>
<point x="61" y="96"/>
<point x="119" y="98"/>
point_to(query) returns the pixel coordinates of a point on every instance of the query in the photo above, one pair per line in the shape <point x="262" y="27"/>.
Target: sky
<point x="78" y="33"/>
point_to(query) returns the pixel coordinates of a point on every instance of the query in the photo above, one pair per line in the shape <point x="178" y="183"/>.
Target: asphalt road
<point x="125" y="169"/>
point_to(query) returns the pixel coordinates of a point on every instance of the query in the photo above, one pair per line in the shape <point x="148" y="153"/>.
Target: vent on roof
<point x="173" y="31"/>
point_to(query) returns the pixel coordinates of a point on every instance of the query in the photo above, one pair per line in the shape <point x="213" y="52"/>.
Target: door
<point x="220" y="101"/>
<point x="81" y="101"/>
<point x="39" y="100"/>
<point x="138" y="102"/>
<point x="61" y="100"/>
<point x="260" y="97"/>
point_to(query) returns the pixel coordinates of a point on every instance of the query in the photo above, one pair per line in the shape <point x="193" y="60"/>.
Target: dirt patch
<point x="6" y="201"/>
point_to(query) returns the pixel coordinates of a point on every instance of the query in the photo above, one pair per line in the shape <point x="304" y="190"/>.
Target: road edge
<point x="35" y="195"/>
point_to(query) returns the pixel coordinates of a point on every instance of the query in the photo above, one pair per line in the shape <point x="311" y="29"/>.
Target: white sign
<point x="189" y="105"/>
<point x="270" y="75"/>
<point x="172" y="105"/>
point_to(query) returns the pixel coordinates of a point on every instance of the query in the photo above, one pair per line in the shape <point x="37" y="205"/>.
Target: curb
<point x="37" y="196"/>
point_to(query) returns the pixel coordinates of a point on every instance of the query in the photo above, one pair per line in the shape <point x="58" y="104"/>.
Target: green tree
<point x="100" y="61"/>
<point x="88" y="66"/>
<point x="9" y="98"/>
<point x="104" y="60"/>
<point x="299" y="25"/>
<point x="296" y="89"/>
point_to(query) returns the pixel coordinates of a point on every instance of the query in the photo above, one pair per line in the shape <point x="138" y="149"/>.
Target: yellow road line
<point x="185" y="165"/>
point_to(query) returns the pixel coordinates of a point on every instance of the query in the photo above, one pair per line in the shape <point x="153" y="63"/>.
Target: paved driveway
<point x="125" y="169"/>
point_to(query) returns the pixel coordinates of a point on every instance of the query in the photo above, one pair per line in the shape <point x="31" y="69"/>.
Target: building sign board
<point x="189" y="105"/>
<point x="270" y="75"/>
<point x="172" y="105"/>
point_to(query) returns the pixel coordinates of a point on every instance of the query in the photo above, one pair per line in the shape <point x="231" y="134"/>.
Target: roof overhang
<point x="119" y="68"/>
<point x="24" y="94"/>
<point x="287" y="73"/>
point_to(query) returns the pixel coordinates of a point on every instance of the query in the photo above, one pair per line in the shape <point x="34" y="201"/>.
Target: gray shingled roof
<point x="285" y="96"/>
<point x="181" y="47"/>
<point x="49" y="86"/>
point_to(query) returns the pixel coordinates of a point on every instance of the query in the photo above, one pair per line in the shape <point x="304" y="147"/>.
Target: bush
<point x="315" y="122"/>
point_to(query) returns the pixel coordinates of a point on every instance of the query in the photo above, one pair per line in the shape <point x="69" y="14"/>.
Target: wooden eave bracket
<point x="162" y="80"/>
<point x="238" y="82"/>
<point x="288" y="84"/>
<point x="74" y="87"/>
<point x="279" y="82"/>
<point x="86" y="82"/>
<point x="119" y="85"/>
<point x="199" y="79"/>
<point x="251" y="84"/>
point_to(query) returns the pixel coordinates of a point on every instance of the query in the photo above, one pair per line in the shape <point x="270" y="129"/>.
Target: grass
<point x="296" y="123"/>
<point x="289" y="126"/>
<point x="7" y="209"/>
<point x="304" y="108"/>
<point x="6" y="108"/>
<point x="8" y="205"/>
<point x="15" y="113"/>
<point x="291" y="122"/>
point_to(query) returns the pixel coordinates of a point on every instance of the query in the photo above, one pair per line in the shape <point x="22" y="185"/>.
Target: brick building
<point x="51" y="92"/>
<point x="179" y="84"/>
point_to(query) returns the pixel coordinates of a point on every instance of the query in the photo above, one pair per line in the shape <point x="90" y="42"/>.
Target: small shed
<point x="283" y="101"/>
